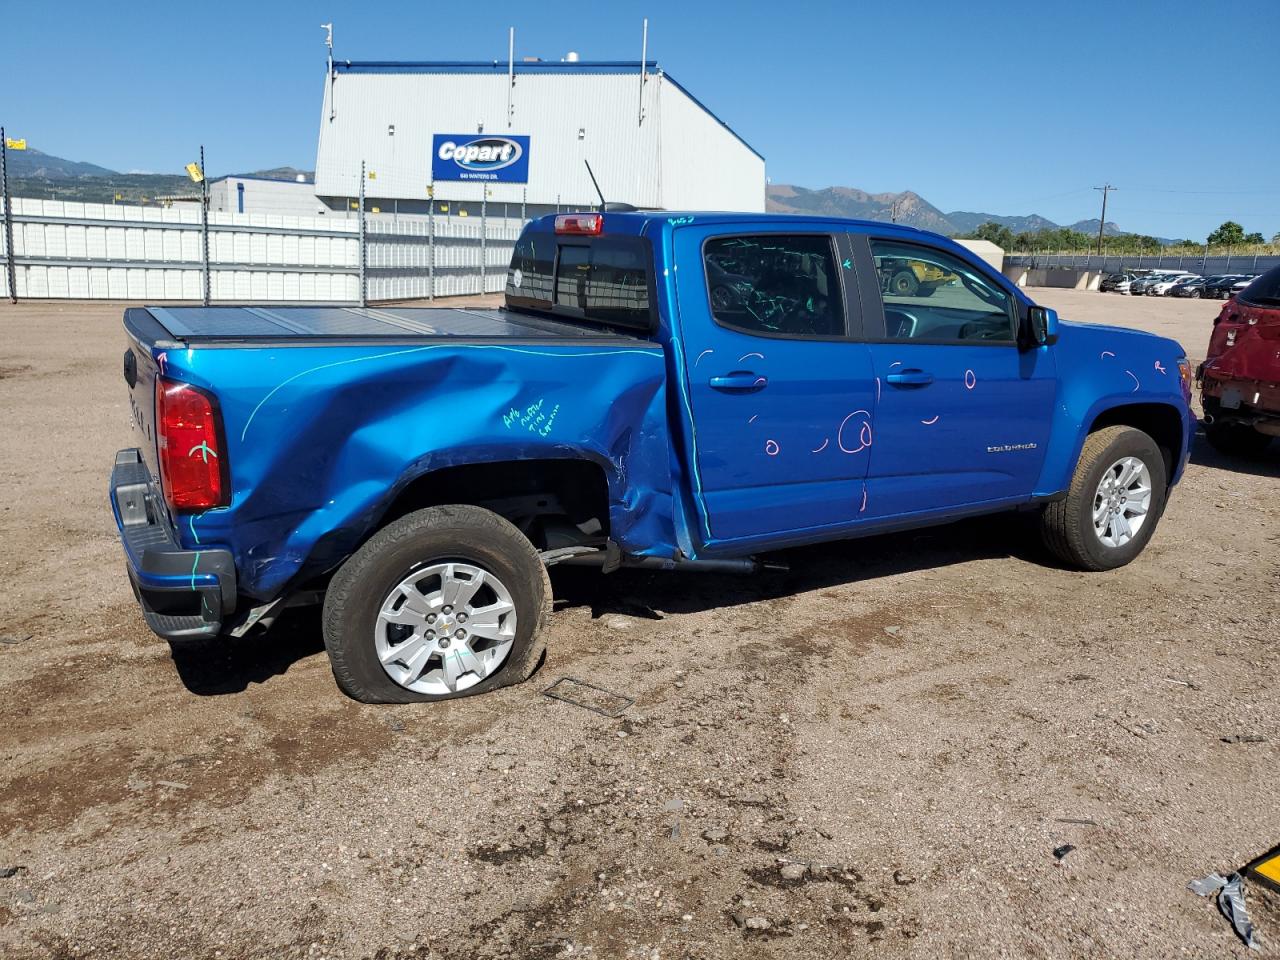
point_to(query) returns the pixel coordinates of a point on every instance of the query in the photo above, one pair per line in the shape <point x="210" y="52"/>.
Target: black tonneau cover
<point x="207" y="324"/>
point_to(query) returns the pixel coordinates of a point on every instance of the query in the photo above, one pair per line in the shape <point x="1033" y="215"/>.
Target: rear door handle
<point x="739" y="380"/>
<point x="910" y="378"/>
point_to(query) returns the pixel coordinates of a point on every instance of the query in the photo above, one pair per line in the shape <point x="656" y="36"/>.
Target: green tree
<point x="1276" y="239"/>
<point x="996" y="233"/>
<point x="1229" y="234"/>
<point x="1254" y="238"/>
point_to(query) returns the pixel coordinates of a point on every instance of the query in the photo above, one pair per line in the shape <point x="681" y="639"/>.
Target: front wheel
<point x="444" y="602"/>
<point x="1116" y="498"/>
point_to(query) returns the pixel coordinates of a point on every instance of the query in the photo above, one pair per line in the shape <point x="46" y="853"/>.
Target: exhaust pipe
<point x="1208" y="420"/>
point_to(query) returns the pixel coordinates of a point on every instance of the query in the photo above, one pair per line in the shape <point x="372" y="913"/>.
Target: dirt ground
<point x="922" y="718"/>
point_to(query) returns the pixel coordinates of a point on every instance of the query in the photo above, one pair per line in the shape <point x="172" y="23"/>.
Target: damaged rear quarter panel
<point x="320" y="439"/>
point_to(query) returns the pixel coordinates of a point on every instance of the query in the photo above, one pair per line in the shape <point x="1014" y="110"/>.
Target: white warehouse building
<point x="518" y="133"/>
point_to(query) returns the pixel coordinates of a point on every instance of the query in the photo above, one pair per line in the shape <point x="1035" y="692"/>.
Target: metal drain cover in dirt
<point x="588" y="696"/>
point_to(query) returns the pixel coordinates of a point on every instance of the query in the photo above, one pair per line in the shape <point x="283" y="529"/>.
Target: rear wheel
<point x="1114" y="503"/>
<point x="445" y="602"/>
<point x="1236" y="440"/>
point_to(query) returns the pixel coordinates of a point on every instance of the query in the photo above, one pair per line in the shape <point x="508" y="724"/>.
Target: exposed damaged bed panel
<point x="211" y="324"/>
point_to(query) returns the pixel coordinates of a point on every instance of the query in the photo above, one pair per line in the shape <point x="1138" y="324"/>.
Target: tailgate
<point x="140" y="369"/>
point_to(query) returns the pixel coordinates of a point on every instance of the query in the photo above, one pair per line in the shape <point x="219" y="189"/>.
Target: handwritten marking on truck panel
<point x="1137" y="384"/>
<point x="747" y="356"/>
<point x="1104" y="354"/>
<point x="877" y="389"/>
<point x="863" y="508"/>
<point x="191" y="522"/>
<point x="823" y="447"/>
<point x="566" y="355"/>
<point x="533" y="418"/>
<point x="1160" y="367"/>
<point x="679" y="221"/>
<point x="194" y="564"/>
<point x="771" y="447"/>
<point x="205" y="451"/>
<point x="161" y="359"/>
<point x="848" y="264"/>
<point x="753" y="418"/>
<point x="970" y="379"/>
<point x="931" y="422"/>
<point x="701" y="355"/>
<point x="864" y="433"/>
<point x="896" y="363"/>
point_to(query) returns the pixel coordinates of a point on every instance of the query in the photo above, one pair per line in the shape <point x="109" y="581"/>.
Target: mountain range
<point x="33" y="173"/>
<point x="38" y="174"/>
<point x="907" y="207"/>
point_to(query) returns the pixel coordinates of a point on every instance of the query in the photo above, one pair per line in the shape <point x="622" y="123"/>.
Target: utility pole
<point x="893" y="212"/>
<point x="1102" y="224"/>
<point x="8" y="218"/>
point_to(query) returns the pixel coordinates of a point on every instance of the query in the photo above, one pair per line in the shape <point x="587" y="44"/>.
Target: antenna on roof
<point x="644" y="71"/>
<point x="599" y="192"/>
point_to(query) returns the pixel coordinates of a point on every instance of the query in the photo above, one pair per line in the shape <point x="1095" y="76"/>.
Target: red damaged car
<point x="1240" y="380"/>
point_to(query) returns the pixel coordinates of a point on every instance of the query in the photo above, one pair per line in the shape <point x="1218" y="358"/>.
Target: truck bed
<point x="355" y="324"/>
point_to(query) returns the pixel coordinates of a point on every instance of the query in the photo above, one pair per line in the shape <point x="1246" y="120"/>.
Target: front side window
<point x="933" y="296"/>
<point x="775" y="285"/>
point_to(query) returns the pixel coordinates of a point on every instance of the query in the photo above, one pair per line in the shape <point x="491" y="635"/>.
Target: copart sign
<point x="478" y="156"/>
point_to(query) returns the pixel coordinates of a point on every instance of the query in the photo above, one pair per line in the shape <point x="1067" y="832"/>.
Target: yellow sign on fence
<point x="13" y="144"/>
<point x="194" y="172"/>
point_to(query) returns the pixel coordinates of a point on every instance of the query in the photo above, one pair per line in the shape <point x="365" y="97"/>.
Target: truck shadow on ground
<point x="1267" y="464"/>
<point x="231" y="665"/>
<point x="228" y="665"/>
<point x="642" y="594"/>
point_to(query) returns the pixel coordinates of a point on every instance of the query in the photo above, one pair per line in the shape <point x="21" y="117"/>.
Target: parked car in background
<point x="1219" y="287"/>
<point x="1113" y="280"/>
<point x="1193" y="288"/>
<point x="1238" y="287"/>
<point x="1143" y="285"/>
<point x="1163" y="287"/>
<point x="1240" y="380"/>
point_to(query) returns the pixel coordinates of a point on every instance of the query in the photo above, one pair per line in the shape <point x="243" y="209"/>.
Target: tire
<point x="1067" y="525"/>
<point x="903" y="284"/>
<point x="1194" y="294"/>
<point x="457" y="537"/>
<point x="1237" y="441"/>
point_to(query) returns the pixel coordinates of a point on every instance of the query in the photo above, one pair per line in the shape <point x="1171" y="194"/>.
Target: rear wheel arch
<point x="525" y="492"/>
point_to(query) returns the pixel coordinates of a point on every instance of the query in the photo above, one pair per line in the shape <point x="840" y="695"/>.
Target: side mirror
<point x="1043" y="322"/>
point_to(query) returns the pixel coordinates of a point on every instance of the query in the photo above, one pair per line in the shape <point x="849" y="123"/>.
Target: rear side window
<point x="603" y="279"/>
<point x="775" y="285"/>
<point x="1264" y="291"/>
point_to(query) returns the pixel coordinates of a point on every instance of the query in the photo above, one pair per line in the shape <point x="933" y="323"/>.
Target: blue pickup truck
<point x="682" y="392"/>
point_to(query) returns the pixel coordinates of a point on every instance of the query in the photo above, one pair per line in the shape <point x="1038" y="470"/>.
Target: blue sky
<point x="1008" y="108"/>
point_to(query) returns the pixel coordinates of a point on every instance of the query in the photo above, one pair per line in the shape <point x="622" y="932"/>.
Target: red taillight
<point x="189" y="441"/>
<point x="589" y="224"/>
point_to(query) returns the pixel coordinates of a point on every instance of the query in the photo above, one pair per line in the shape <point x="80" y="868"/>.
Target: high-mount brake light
<point x="586" y="224"/>
<point x="189" y="440"/>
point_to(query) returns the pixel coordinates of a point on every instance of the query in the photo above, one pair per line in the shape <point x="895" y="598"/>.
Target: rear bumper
<point x="184" y="594"/>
